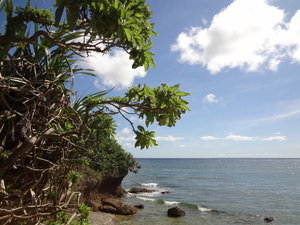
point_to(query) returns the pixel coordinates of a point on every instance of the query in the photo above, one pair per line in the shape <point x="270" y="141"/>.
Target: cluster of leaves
<point x="122" y="23"/>
<point x="46" y="136"/>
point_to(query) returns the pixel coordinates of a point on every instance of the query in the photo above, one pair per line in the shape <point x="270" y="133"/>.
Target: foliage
<point x="84" y="212"/>
<point x="63" y="218"/>
<point x="44" y="137"/>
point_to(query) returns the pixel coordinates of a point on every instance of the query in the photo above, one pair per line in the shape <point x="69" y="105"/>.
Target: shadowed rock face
<point x="105" y="195"/>
<point x="175" y="212"/>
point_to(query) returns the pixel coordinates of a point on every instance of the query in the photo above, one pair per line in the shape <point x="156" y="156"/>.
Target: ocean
<point x="216" y="191"/>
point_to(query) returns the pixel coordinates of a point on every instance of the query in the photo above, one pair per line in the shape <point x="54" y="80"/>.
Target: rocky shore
<point x="102" y="218"/>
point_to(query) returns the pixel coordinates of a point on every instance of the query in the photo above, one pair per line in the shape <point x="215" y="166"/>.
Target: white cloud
<point x="168" y="138"/>
<point x="126" y="131"/>
<point x="123" y="139"/>
<point x="244" y="138"/>
<point x="275" y="138"/>
<point x="211" y="98"/>
<point x="239" y="138"/>
<point x="209" y="138"/>
<point x="247" y="35"/>
<point x="113" y="68"/>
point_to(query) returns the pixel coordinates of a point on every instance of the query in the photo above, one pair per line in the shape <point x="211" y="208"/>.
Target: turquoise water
<point x="217" y="191"/>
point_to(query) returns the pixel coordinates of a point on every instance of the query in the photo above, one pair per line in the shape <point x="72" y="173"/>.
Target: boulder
<point x="140" y="190"/>
<point x="165" y="192"/>
<point x="126" y="210"/>
<point x="107" y="209"/>
<point x="139" y="206"/>
<point x="115" y="206"/>
<point x="175" y="212"/>
<point x="269" y="219"/>
<point x="116" y="203"/>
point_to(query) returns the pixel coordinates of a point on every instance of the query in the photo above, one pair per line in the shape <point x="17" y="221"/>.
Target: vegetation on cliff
<point x="47" y="140"/>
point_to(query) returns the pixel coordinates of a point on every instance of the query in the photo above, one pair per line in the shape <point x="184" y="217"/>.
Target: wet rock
<point x="140" y="190"/>
<point x="175" y="212"/>
<point x="269" y="219"/>
<point x="139" y="206"/>
<point x="165" y="192"/>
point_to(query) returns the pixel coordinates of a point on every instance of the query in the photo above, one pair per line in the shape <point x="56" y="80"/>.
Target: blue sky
<point x="240" y="60"/>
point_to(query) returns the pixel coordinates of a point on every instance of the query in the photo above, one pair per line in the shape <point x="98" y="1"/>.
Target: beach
<point x="97" y="218"/>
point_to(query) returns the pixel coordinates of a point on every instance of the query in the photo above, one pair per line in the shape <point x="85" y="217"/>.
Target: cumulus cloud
<point x="126" y="131"/>
<point x="208" y="138"/>
<point x="277" y="138"/>
<point x="123" y="139"/>
<point x="211" y="98"/>
<point x="247" y="34"/>
<point x="168" y="138"/>
<point x="126" y="138"/>
<point x="114" y="68"/>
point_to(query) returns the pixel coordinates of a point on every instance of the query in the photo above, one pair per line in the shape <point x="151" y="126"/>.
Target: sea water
<point x="216" y="191"/>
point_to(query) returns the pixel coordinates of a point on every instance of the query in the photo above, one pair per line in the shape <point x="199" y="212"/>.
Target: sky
<point x="239" y="59"/>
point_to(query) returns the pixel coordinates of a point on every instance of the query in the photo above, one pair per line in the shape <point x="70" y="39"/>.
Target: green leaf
<point x="141" y="128"/>
<point x="182" y="93"/>
<point x="72" y="19"/>
<point x="116" y="4"/>
<point x="58" y="13"/>
<point x="128" y="33"/>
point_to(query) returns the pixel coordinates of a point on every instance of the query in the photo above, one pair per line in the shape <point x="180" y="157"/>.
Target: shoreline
<point x="102" y="218"/>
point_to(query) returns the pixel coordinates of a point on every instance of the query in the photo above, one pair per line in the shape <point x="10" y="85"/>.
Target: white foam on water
<point x="203" y="209"/>
<point x="150" y="184"/>
<point x="146" y="199"/>
<point x="171" y="203"/>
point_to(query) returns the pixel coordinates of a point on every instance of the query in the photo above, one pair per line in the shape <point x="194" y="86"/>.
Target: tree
<point x="44" y="137"/>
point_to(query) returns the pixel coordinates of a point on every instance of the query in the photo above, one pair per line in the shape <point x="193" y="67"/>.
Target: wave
<point x="156" y="190"/>
<point x="153" y="185"/>
<point x="147" y="199"/>
<point x="159" y="192"/>
<point x="162" y="201"/>
<point x="183" y="204"/>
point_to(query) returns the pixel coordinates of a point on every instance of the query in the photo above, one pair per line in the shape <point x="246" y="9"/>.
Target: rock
<point x="139" y="206"/>
<point x="140" y="190"/>
<point x="107" y="209"/>
<point x="115" y="206"/>
<point x="269" y="219"/>
<point x="165" y="192"/>
<point x="127" y="210"/>
<point x="175" y="212"/>
<point x="117" y="203"/>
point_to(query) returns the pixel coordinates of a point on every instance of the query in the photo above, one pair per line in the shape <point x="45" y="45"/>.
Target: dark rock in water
<point x="140" y="190"/>
<point x="175" y="212"/>
<point x="139" y="206"/>
<point x="165" y="192"/>
<point x="269" y="219"/>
